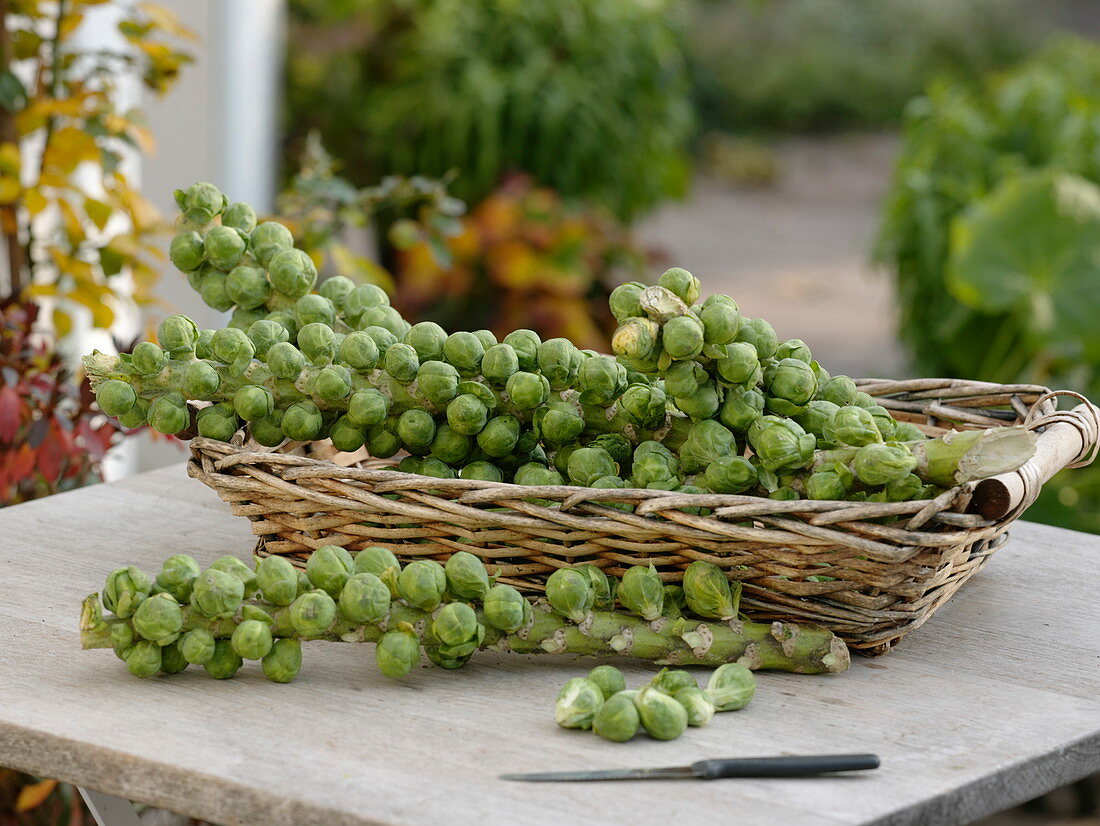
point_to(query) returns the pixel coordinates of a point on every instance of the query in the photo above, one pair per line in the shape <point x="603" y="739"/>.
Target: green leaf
<point x="13" y="96"/>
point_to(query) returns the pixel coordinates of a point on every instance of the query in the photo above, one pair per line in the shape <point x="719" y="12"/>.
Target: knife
<point x="792" y="766"/>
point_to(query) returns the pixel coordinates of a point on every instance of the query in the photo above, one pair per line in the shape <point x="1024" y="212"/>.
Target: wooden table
<point x="993" y="702"/>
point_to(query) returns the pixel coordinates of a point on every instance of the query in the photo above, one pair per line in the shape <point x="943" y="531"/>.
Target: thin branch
<point x="9" y="213"/>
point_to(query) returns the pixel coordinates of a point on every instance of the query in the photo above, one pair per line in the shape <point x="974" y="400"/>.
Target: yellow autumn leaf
<point x="41" y="290"/>
<point x="69" y="24"/>
<point x="97" y="211"/>
<point x="9" y="158"/>
<point x="69" y="147"/>
<point x="34" y="201"/>
<point x="34" y="795"/>
<point x="103" y="316"/>
<point x="10" y="189"/>
<point x="63" y="324"/>
<point x="74" y="227"/>
<point x="166" y="20"/>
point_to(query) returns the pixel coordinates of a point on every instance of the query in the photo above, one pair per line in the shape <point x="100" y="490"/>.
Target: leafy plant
<point x="992" y="232"/>
<point x="589" y="97"/>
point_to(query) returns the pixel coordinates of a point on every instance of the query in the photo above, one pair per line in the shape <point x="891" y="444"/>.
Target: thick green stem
<point x="776" y="646"/>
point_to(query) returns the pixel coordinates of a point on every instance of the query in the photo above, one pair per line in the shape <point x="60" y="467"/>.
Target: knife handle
<point x="792" y="766"/>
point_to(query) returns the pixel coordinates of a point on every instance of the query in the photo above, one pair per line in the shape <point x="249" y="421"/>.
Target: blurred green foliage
<point x="992" y="232"/>
<point x="590" y="97"/>
<point x="799" y="65"/>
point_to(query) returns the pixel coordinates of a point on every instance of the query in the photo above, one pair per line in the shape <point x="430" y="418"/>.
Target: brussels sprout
<point x="904" y="432"/>
<point x="505" y="608"/>
<point x="643" y="405"/>
<point x="427" y="339"/>
<point x="381" y="442"/>
<point x="780" y="444"/>
<point x="365" y="408"/>
<point x="793" y="348"/>
<point x="336" y="289"/>
<point x="570" y="593"/>
<point x="617" y="719"/>
<point x="186" y="251"/>
<point x="312" y="613"/>
<point x="421" y="584"/>
<point x="438" y="382"/>
<point x="200" y="203"/>
<point x="636" y="338"/>
<point x="242" y="318"/>
<point x="559" y="361"/>
<point x="904" y="489"/>
<point x="526" y="344"/>
<point x="292" y="273"/>
<point x="402" y="363"/>
<point x="785" y="493"/>
<point x="302" y="421"/>
<point x="283" y="662"/>
<point x="318" y="342"/>
<point x="430" y="466"/>
<point x="499" y="363"/>
<point x="558" y="423"/>
<point x="730" y="474"/>
<point x="450" y="446"/>
<point x="609" y="679"/>
<point x="148" y="358"/>
<point x="328" y="568"/>
<point x="218" y="422"/>
<point x="709" y="440"/>
<point x="681" y="282"/>
<point x="826" y="484"/>
<point x="268" y="430"/>
<point x="345" y="435"/>
<point x="528" y="391"/>
<point x="253" y="402"/>
<point x="247" y="286"/>
<point x="252" y="640"/>
<point x="852" y="425"/>
<point x="617" y="446"/>
<point x="601" y="380"/>
<point x="264" y="334"/>
<point x="416" y="428"/>
<point x="885" y="423"/>
<point x="696" y="703"/>
<point x="682" y="378"/>
<point x="482" y="471"/>
<point x="169" y="414"/>
<point x="840" y="390"/>
<point x="285" y="360"/>
<point x="143" y="658"/>
<point x="791" y="380"/>
<point x="243" y="572"/>
<point x="535" y="474"/>
<point x="115" y="397"/>
<point x="239" y="216"/>
<point x="760" y="334"/>
<point x="225" y="662"/>
<point x="277" y="580"/>
<point x="197" y="646"/>
<point x="879" y="464"/>
<point x="683" y="337"/>
<point x="122" y="639"/>
<point x="464" y="351"/>
<point x="217" y="593"/>
<point x="223" y="247"/>
<point x="314" y="309"/>
<point x="662" y="716"/>
<point x="365" y="598"/>
<point x="708" y="592"/>
<point x="817" y="416"/>
<point x="332" y="383"/>
<point x="577" y="703"/>
<point x="625" y="301"/>
<point x="731" y="687"/>
<point x="363" y="298"/>
<point x="721" y="321"/>
<point x="702" y="404"/>
<point x="467" y="414"/>
<point x="642" y="592"/>
<point x="654" y="470"/>
<point x="500" y="436"/>
<point x="864" y="400"/>
<point x="177" y="576"/>
<point x="670" y="681"/>
<point x="466" y="575"/>
<point x="455" y="624"/>
<point x="387" y="318"/>
<point x="178" y="335"/>
<point x="232" y="346"/>
<point x="213" y="292"/>
<point x="397" y="653"/>
<point x="588" y="464"/>
<point x="137" y="416"/>
<point x="159" y="619"/>
<point x="287" y="320"/>
<point x="381" y="562"/>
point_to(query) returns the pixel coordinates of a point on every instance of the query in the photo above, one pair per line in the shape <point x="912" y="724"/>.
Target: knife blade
<point x="804" y="765"/>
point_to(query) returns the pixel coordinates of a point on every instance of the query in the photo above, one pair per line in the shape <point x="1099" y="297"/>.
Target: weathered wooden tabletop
<point x="996" y="700"/>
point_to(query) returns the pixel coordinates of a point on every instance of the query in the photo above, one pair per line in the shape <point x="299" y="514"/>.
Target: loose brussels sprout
<point x="609" y="679"/>
<point x="506" y="609"/>
<point x="200" y="203"/>
<point x="854" y="426"/>
<point x="642" y="592"/>
<point x="730" y="474"/>
<point x="528" y="391"/>
<point x="364" y="598"/>
<point x="285" y="360"/>
<point x="217" y="593"/>
<point x="253" y="402"/>
<point x="577" y="703"/>
<point x="721" y="320"/>
<point x="252" y="640"/>
<point x="467" y="414"/>
<point x="422" y="583"/>
<point x="588" y="464"/>
<point x="427" y="339"/>
<point x="177" y="576"/>
<point x="625" y="301"/>
<point x="636" y="339"/>
<point x="115" y="397"/>
<point x="781" y="444"/>
<point x="292" y="273"/>
<point x="617" y="719"/>
<point x="879" y="464"/>
<point x="312" y="613"/>
<point x="683" y="337"/>
<point x="643" y="405"/>
<point x="329" y="568"/>
<point x="283" y="662"/>
<point x="702" y="404"/>
<point x="570" y="593"/>
<point x="223" y="247"/>
<point x="397" y="653"/>
<point x="499" y="363"/>
<point x="708" y="592"/>
<point x="791" y="380"/>
<point x="332" y="383"/>
<point x="197" y="646"/>
<point x="186" y="251"/>
<point x="159" y="619"/>
<point x="148" y="358"/>
<point x="465" y="351"/>
<point x="143" y="658"/>
<point x="731" y="687"/>
<point x="681" y="282"/>
<point x="218" y="422"/>
<point x="696" y="703"/>
<point x="277" y="580"/>
<point x="225" y="662"/>
<point x="662" y="716"/>
<point x="670" y="681"/>
<point x="466" y="575"/>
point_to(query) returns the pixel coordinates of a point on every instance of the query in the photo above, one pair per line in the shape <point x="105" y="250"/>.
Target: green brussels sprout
<point x="588" y="464"/>
<point x="652" y="446"/>
<point x="828" y="484"/>
<point x="464" y="351"/>
<point x="505" y="608"/>
<point x="332" y="383"/>
<point x="450" y="446"/>
<point x="253" y="402"/>
<point x="791" y="380"/>
<point x="536" y="475"/>
<point x="781" y="444"/>
<point x="328" y="568"/>
<point x="617" y="719"/>
<point x="224" y="247"/>
<point x="427" y="339"/>
<point x="683" y="337"/>
<point x="302" y="421"/>
<point x="785" y="493"/>
<point x="601" y="380"/>
<point x="285" y="360"/>
<point x="382" y="442"/>
<point x="681" y="282"/>
<point x="225" y="662"/>
<point x="217" y="593"/>
<point x="367" y="407"/>
<point x="122" y="639"/>
<point x="365" y="598"/>
<point x="528" y="391"/>
<point x="264" y="334"/>
<point x="793" y="348"/>
<point x="178" y="335"/>
<point x="197" y="646"/>
<point x="499" y="363"/>
<point x="148" y="358"/>
<point x="672" y="680"/>
<point x="312" y="613"/>
<point x="731" y="687"/>
<point x="500" y="436"/>
<point x="387" y="318"/>
<point x="283" y="662"/>
<point x="577" y="703"/>
<point x="143" y="658"/>
<point x="169" y="414"/>
<point x="625" y="301"/>
<point x="336" y="288"/>
<point x="487" y="338"/>
<point x="381" y="562"/>
<point x="618" y="447"/>
<point x="886" y="424"/>
<point x="853" y="426"/>
<point x="466" y="576"/>
<point x="159" y="619"/>
<point x="247" y="286"/>
<point x="526" y="343"/>
<point x="243" y="318"/>
<point x="740" y="408"/>
<point x="416" y="429"/>
<point x="218" y="422"/>
<point x="318" y="342"/>
<point x="287" y="320"/>
<point x="817" y="416"/>
<point x="397" y="653"/>
<point x="696" y="703"/>
<point x="186" y="251"/>
<point x="438" y="382"/>
<point x="177" y="576"/>
<point x="430" y="466"/>
<point x="213" y="293"/>
<point x="840" y="390"/>
<point x="559" y="361"/>
<point x="642" y="592"/>
<point x="292" y="272"/>
<point x="611" y="483"/>
<point x="363" y="298"/>
<point x="277" y="580"/>
<point x="467" y="414"/>
<point x="558" y="423"/>
<point x="879" y="464"/>
<point x="252" y="640"/>
<point x="636" y="338"/>
<point x="136" y="416"/>
<point x="455" y="624"/>
<point x="345" y="435"/>
<point x="200" y="203"/>
<point x="662" y="716"/>
<point x="682" y="378"/>
<point x="738" y="364"/>
<point x="904" y="432"/>
<point x="314" y="309"/>
<point x="710" y="440"/>
<point x="115" y="397"/>
<point x="721" y="321"/>
<point x="704" y="403"/>
<point x="643" y="405"/>
<point x="904" y="489"/>
<point x="268" y="430"/>
<point x="708" y="592"/>
<point x="421" y="584"/>
<point x="483" y="471"/>
<point x="570" y="593"/>
<point x="401" y="362"/>
<point x="232" y="346"/>
<point x="609" y="679"/>
<point x="864" y="400"/>
<point x="243" y="572"/>
<point x="239" y="216"/>
<point x="654" y="470"/>
<point x="760" y="334"/>
<point x="562" y="454"/>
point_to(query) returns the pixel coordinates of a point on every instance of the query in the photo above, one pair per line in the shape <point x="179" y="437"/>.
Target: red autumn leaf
<point x="22" y="462"/>
<point x="50" y="460"/>
<point x="10" y="414"/>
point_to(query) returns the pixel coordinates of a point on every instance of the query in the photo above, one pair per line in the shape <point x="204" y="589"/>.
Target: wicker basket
<point x="888" y="575"/>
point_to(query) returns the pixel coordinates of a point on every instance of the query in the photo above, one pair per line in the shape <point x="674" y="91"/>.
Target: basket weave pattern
<point x="871" y="572"/>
